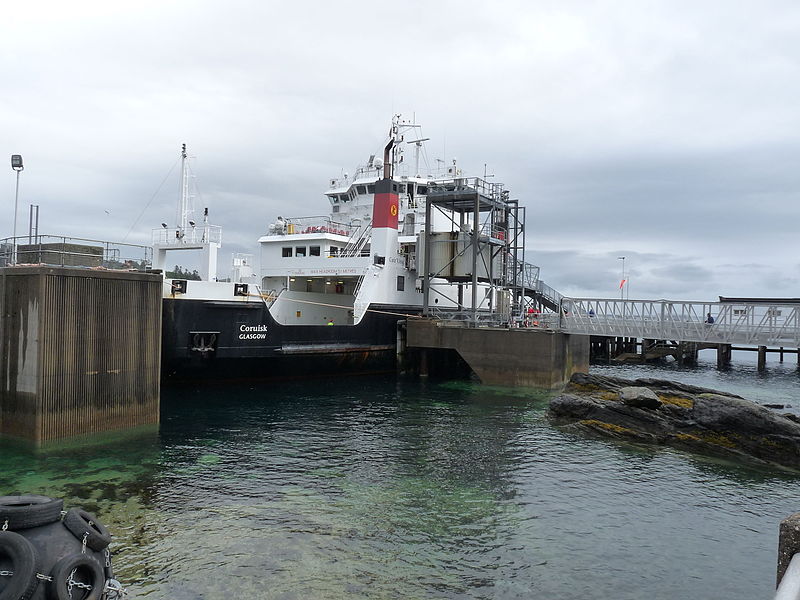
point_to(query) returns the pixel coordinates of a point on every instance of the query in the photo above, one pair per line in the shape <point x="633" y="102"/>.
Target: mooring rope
<point x="339" y="306"/>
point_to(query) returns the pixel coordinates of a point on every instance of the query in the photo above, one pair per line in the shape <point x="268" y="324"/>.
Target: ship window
<point x="333" y="199"/>
<point x="313" y="251"/>
<point x="361" y="189"/>
<point x="401" y="283"/>
<point x="287" y="252"/>
<point x="402" y="188"/>
<point x="371" y="189"/>
<point x="334" y="251"/>
<point x="422" y="189"/>
<point x="343" y="197"/>
<point x="299" y="250"/>
<point x="336" y="208"/>
<point x="394" y="188"/>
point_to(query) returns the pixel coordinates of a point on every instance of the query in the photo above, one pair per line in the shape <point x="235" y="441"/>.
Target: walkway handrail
<point x="755" y="323"/>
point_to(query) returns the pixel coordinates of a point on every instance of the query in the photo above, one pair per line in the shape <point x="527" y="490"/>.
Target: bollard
<point x="788" y="543"/>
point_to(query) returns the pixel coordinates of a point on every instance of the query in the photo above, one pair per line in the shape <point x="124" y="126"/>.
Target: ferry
<point x="331" y="292"/>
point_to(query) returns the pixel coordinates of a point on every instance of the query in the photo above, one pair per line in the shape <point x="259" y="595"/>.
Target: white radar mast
<point x="187" y="235"/>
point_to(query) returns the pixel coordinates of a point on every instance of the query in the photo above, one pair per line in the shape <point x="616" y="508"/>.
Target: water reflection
<point x="388" y="487"/>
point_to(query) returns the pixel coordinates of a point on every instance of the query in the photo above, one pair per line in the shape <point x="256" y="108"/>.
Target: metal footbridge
<point x="772" y="323"/>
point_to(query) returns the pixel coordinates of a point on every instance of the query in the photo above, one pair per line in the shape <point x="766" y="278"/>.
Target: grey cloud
<point x="663" y="131"/>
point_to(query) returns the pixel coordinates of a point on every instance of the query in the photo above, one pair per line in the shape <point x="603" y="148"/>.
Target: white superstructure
<point x="335" y="266"/>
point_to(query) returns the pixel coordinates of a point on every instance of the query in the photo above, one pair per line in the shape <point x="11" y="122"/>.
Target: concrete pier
<point x="80" y="351"/>
<point x="517" y="357"/>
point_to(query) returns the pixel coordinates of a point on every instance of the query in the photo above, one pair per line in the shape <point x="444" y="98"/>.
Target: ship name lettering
<point x="253" y="332"/>
<point x="252" y="327"/>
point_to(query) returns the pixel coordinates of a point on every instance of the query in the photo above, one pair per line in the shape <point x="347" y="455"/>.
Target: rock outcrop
<point x="666" y="412"/>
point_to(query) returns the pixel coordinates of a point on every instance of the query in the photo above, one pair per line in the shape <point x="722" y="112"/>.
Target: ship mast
<point x="185" y="209"/>
<point x="187" y="235"/>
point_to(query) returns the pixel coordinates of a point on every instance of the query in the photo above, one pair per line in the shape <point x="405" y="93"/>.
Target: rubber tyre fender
<point x="58" y="588"/>
<point x="25" y="512"/>
<point x="25" y="561"/>
<point x="81" y="522"/>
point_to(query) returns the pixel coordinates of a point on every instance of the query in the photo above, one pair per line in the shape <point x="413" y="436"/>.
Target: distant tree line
<point x="181" y="273"/>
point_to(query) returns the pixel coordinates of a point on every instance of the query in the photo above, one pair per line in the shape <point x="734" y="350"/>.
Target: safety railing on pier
<point x="525" y="274"/>
<point x="488" y="189"/>
<point x="548" y="295"/>
<point x="756" y="324"/>
<point x="64" y="251"/>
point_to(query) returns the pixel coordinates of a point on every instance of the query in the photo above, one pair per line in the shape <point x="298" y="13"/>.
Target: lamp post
<point x="16" y="165"/>
<point x="622" y="281"/>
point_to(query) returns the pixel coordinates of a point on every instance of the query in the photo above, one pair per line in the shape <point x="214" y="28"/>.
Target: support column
<point x="723" y="355"/>
<point x="423" y="362"/>
<point x="762" y="358"/>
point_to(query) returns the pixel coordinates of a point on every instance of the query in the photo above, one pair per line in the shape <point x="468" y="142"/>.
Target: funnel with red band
<point x="386" y="204"/>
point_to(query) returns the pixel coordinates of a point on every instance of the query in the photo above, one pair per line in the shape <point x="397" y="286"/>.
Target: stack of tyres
<point x="46" y="553"/>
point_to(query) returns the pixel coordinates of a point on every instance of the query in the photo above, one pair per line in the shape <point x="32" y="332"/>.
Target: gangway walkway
<point x="755" y="324"/>
<point x="526" y="277"/>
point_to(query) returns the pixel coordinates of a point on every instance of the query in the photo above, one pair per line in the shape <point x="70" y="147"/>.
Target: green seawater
<point x="388" y="487"/>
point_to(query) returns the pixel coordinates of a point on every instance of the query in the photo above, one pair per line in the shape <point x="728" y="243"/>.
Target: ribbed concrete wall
<point x="79" y="351"/>
<point x="520" y="357"/>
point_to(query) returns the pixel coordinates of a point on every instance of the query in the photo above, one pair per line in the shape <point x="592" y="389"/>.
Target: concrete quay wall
<point x="80" y="351"/>
<point x="517" y="357"/>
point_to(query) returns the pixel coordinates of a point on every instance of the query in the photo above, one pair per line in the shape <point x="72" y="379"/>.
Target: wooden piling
<point x="762" y="358"/>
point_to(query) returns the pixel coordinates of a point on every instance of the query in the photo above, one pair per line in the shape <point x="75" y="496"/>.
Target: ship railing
<point x="317" y="224"/>
<point x="356" y="245"/>
<point x="177" y="237"/>
<point x="466" y="317"/>
<point x="756" y="323"/>
<point x="65" y="251"/>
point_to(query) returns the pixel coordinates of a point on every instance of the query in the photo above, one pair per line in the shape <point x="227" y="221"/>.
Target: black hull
<point x="205" y="340"/>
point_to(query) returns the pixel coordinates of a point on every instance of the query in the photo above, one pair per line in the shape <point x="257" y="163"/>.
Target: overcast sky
<point x="665" y="132"/>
